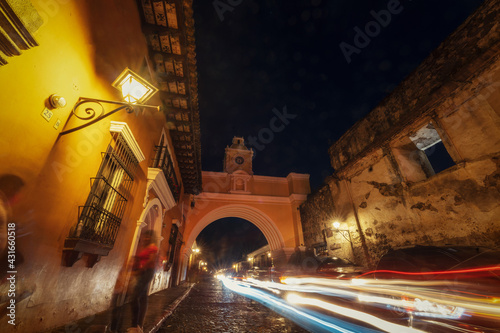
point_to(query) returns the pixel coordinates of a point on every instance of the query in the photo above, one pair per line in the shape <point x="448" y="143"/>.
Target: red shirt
<point x="145" y="255"/>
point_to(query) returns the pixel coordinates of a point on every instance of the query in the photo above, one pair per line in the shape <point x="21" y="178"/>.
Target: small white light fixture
<point x="336" y="224"/>
<point x="56" y="101"/>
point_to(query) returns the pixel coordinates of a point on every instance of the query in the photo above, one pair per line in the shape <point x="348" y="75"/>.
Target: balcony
<point x="163" y="161"/>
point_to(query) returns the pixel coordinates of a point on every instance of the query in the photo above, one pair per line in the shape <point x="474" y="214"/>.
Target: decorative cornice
<point x="214" y="173"/>
<point x="158" y="182"/>
<point x="252" y="198"/>
<point x="298" y="198"/>
<point x="124" y="130"/>
<point x="259" y="178"/>
<point x="293" y="175"/>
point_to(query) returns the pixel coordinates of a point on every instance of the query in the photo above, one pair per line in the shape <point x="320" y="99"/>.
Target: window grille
<point x="100" y="217"/>
<point x="163" y="161"/>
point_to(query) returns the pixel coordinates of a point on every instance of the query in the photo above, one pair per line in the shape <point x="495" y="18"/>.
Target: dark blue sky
<point x="227" y="240"/>
<point x="266" y="55"/>
<point x="254" y="57"/>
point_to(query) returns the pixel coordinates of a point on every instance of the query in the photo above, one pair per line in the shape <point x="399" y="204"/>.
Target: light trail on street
<point x="419" y="304"/>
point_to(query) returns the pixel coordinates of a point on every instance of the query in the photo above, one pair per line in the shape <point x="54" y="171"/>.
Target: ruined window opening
<point x="421" y="154"/>
<point x="428" y="141"/>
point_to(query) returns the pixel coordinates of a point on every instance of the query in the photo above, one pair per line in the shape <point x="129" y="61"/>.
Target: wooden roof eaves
<point x="193" y="85"/>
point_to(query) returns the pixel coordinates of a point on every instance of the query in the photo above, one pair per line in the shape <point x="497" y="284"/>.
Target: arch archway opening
<point x="228" y="240"/>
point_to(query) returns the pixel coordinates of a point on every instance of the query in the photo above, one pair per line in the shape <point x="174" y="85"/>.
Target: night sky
<point x="228" y="240"/>
<point x="257" y="59"/>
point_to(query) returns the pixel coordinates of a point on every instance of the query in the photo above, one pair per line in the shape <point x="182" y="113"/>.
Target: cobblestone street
<point x="210" y="307"/>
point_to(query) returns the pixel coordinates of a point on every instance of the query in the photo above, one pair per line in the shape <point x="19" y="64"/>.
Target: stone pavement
<point x="160" y="306"/>
<point x="212" y="308"/>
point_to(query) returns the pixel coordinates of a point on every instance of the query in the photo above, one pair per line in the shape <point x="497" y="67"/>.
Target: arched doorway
<point x="151" y="219"/>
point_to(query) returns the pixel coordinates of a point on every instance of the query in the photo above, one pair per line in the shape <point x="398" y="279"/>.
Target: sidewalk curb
<point x="170" y="309"/>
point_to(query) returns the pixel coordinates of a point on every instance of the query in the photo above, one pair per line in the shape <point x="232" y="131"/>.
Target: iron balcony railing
<point x="97" y="225"/>
<point x="100" y="218"/>
<point x="163" y="161"/>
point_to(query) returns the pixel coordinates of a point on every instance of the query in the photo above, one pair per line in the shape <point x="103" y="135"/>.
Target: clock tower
<point x="238" y="157"/>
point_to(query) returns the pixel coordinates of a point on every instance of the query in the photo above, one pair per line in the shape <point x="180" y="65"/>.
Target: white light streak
<point x="358" y="315"/>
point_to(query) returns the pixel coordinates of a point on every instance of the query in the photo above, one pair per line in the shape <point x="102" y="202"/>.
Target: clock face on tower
<point x="239" y="160"/>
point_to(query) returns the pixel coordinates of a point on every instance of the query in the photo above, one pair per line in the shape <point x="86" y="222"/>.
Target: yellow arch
<point x="249" y="213"/>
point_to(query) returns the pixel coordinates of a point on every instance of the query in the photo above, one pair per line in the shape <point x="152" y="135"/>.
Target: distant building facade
<point x="261" y="258"/>
<point x="423" y="167"/>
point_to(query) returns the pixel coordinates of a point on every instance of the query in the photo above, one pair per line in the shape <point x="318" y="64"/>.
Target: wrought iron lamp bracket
<point x="85" y="109"/>
<point x="345" y="233"/>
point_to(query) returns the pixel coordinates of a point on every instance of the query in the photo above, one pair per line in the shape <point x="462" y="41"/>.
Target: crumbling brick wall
<point x="316" y="213"/>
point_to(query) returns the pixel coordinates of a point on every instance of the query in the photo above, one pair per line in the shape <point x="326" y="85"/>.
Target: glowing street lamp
<point x="345" y="233"/>
<point x="133" y="87"/>
<point x="135" y="90"/>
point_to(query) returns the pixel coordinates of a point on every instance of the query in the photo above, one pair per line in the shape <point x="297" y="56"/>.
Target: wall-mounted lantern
<point x="135" y="91"/>
<point x="344" y="232"/>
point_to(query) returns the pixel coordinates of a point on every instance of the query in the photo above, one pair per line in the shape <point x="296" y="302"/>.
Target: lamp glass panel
<point x="132" y="90"/>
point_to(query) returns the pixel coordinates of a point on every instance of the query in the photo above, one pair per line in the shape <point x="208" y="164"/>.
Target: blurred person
<point x="142" y="273"/>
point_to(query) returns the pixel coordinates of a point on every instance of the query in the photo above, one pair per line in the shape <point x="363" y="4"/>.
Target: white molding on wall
<point x="158" y="182"/>
<point x="124" y="130"/>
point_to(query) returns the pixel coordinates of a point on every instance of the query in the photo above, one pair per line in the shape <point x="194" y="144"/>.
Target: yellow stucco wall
<point x="83" y="47"/>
